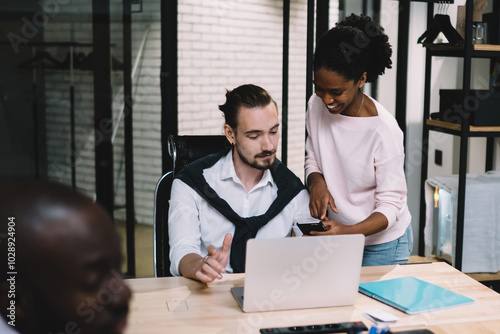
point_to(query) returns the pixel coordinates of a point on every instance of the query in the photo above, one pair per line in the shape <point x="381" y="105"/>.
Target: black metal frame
<point x="284" y="78"/>
<point x="309" y="49"/>
<point x="168" y="77"/>
<point x="104" y="173"/>
<point x="322" y="13"/>
<point x="402" y="65"/>
<point x="128" y="134"/>
<point x="103" y="105"/>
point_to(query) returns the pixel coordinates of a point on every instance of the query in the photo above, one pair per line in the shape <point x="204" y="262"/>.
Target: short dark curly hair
<point x="355" y="45"/>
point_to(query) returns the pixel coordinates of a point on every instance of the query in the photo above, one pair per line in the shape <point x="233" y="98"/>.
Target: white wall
<point x="224" y="44"/>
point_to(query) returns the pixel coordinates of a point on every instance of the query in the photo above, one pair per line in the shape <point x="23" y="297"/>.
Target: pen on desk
<point x="408" y="264"/>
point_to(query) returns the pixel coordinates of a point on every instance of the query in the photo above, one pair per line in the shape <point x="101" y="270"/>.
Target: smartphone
<point x="306" y="228"/>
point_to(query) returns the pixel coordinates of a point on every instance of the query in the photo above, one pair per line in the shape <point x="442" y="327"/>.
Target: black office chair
<point x="183" y="150"/>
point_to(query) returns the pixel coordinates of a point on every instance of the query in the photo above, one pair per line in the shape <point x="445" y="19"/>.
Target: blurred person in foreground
<point x="66" y="274"/>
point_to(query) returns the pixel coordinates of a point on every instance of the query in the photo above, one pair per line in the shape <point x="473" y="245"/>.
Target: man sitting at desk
<point x="220" y="201"/>
<point x="60" y="263"/>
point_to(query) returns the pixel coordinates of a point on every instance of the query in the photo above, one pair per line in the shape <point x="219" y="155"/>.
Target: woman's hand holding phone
<point x="307" y="228"/>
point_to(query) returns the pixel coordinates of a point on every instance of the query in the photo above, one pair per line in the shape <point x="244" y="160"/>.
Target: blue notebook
<point x="412" y="295"/>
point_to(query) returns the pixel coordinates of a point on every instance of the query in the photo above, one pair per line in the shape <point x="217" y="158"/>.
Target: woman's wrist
<point x="316" y="182"/>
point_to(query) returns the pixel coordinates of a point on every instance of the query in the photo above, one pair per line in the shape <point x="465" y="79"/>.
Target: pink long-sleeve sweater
<point x="362" y="161"/>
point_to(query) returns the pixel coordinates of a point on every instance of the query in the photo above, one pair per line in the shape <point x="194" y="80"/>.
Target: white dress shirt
<point x="194" y="225"/>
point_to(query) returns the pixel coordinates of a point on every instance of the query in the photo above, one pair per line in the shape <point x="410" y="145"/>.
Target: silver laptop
<point x="301" y="272"/>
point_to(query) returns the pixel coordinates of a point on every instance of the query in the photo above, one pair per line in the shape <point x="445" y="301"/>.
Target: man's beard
<point x="267" y="163"/>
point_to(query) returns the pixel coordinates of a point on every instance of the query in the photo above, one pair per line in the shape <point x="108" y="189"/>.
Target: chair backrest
<point x="183" y="150"/>
<point x="186" y="149"/>
<point x="161" y="247"/>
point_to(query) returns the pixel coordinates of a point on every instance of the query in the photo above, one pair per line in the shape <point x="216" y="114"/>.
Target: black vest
<point x="289" y="185"/>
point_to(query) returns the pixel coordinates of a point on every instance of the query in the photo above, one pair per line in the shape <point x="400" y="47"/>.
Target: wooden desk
<point x="179" y="305"/>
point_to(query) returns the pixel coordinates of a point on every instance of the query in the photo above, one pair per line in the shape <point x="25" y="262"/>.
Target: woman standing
<point x="354" y="149"/>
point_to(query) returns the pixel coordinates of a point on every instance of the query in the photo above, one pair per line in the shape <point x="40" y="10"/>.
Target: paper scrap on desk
<point x="176" y="305"/>
<point x="380" y="316"/>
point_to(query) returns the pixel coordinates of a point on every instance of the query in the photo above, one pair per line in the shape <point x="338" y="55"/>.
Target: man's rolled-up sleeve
<point x="183" y="224"/>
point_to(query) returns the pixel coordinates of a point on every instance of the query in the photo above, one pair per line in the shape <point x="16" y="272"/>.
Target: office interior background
<point x="73" y="72"/>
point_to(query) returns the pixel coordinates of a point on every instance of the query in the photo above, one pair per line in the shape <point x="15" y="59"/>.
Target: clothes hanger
<point x="77" y="59"/>
<point x="441" y="23"/>
<point x="87" y="63"/>
<point x="433" y="31"/>
<point x="41" y="59"/>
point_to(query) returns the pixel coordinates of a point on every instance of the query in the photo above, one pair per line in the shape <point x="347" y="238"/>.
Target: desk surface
<point x="179" y="305"/>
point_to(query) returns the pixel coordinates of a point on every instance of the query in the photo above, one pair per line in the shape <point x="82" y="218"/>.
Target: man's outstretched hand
<point x="214" y="264"/>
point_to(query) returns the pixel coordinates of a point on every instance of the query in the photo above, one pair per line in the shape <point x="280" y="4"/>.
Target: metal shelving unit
<point x="463" y="130"/>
